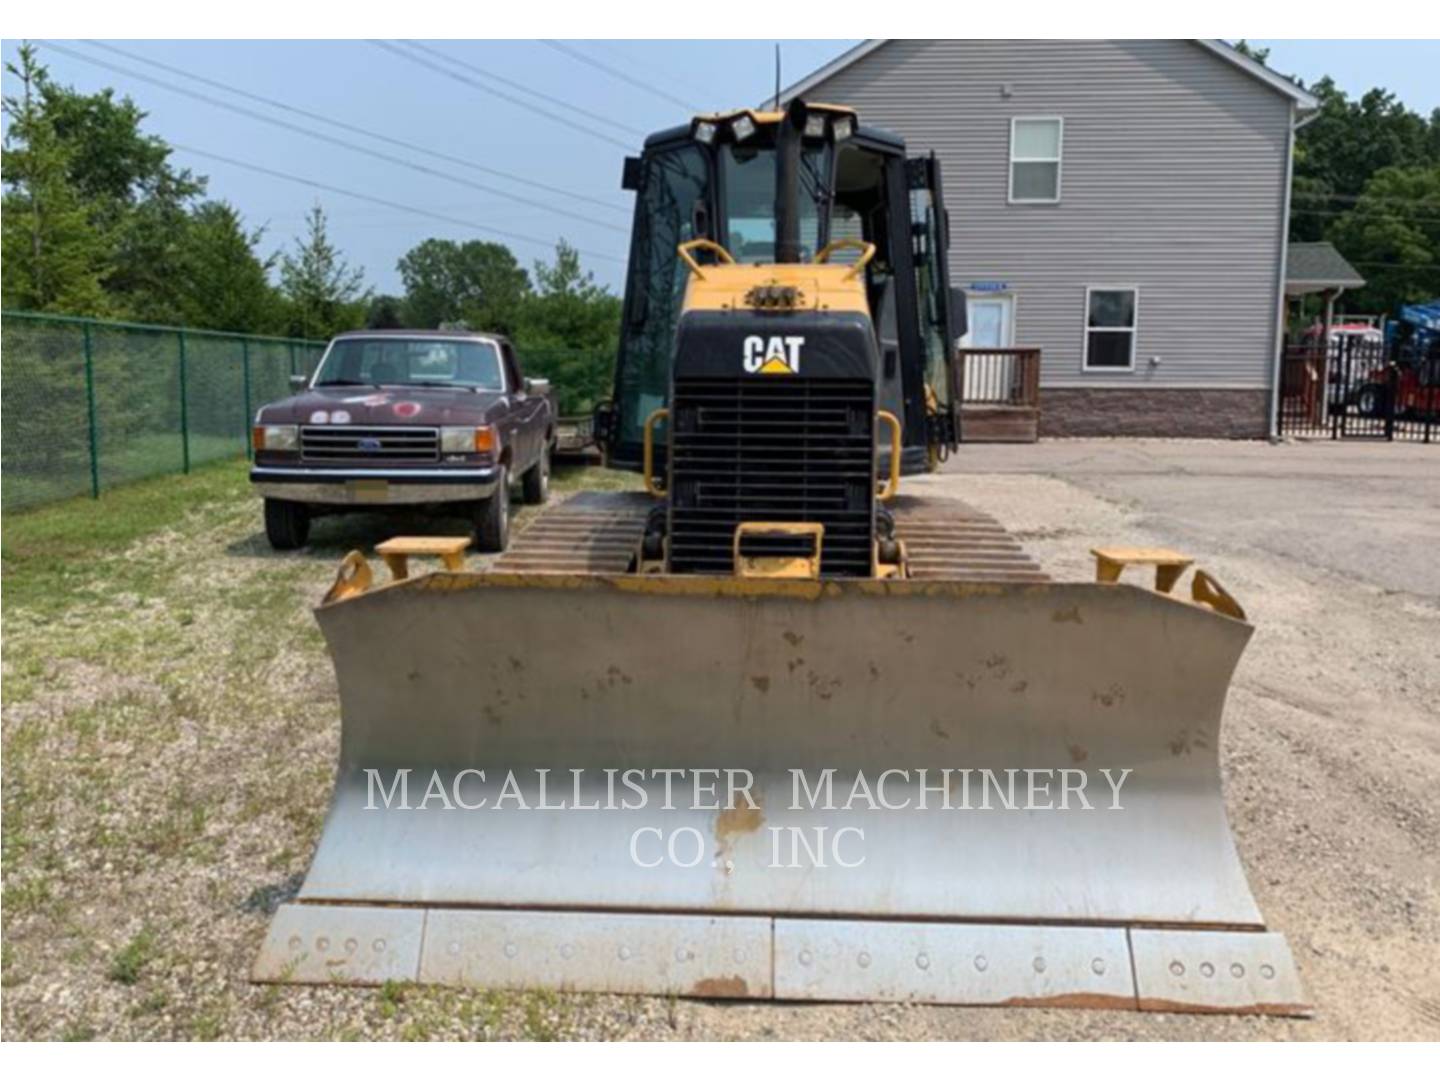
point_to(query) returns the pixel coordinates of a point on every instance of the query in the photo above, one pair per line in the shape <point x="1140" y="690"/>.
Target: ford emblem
<point x="369" y="443"/>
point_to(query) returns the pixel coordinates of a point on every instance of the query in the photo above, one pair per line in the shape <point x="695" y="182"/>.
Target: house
<point x="1121" y="205"/>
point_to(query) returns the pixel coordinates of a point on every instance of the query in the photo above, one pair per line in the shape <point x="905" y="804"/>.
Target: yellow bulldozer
<point x="774" y="728"/>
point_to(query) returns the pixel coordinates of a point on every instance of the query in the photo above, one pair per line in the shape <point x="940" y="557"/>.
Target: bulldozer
<point x="774" y="728"/>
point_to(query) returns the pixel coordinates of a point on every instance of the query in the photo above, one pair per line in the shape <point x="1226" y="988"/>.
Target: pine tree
<point x="325" y="294"/>
<point x="55" y="257"/>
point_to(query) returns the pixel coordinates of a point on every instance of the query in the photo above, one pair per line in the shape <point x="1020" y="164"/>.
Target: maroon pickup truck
<point x="409" y="418"/>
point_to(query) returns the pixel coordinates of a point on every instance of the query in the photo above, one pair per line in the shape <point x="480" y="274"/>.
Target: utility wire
<point x="457" y="62"/>
<point x="311" y="133"/>
<point x="528" y="182"/>
<point x="616" y="73"/>
<point x="320" y="185"/>
<point x="392" y="47"/>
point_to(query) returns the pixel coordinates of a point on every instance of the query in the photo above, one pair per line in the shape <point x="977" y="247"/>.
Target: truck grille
<point x="772" y="449"/>
<point x="343" y="443"/>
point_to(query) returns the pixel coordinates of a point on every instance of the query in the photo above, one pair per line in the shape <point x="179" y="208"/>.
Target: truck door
<point x="522" y="418"/>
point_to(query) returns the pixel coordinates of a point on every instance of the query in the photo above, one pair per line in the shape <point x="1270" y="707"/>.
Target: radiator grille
<point x="344" y="443"/>
<point x="773" y="449"/>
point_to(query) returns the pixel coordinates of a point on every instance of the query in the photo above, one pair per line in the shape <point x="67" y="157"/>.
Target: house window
<point x="1035" y="143"/>
<point x="1110" y="322"/>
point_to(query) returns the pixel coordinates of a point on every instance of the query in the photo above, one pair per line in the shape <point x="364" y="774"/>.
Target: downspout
<point x="1278" y="358"/>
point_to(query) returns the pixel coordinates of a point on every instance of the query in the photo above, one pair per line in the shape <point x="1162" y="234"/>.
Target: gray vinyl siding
<point x="1173" y="181"/>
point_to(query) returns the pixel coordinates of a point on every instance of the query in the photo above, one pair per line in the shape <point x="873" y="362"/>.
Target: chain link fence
<point x="88" y="404"/>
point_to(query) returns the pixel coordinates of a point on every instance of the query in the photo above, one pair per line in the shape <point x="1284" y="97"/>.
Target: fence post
<point x="90" y="412"/>
<point x="245" y="369"/>
<point x="184" y="407"/>
<point x="293" y="372"/>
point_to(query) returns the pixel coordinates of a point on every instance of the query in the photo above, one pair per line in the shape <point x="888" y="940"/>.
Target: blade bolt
<point x="510" y="949"/>
<point x="981" y="963"/>
<point x="1098" y="966"/>
<point x="922" y="962"/>
<point x="1039" y="965"/>
<point x="1207" y="969"/>
<point x="863" y="960"/>
<point x="1177" y="968"/>
<point x="1237" y="970"/>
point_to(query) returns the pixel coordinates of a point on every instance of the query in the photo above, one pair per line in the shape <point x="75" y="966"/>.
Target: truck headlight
<point x="276" y="437"/>
<point x="467" y="440"/>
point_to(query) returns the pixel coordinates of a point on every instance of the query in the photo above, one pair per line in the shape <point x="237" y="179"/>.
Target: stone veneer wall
<point x="1195" y="414"/>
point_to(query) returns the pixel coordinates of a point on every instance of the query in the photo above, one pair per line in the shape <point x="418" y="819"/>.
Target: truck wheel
<point x="536" y="481"/>
<point x="287" y="524"/>
<point x="492" y="519"/>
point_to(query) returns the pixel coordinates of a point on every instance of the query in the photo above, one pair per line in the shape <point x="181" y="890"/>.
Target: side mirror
<point x="540" y="387"/>
<point x="959" y="313"/>
<point x="299" y="382"/>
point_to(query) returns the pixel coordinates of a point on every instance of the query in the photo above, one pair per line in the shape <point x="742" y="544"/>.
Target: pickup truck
<point x="405" y="418"/>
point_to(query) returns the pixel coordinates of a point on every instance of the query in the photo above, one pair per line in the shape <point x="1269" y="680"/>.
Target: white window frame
<point x="1133" y="331"/>
<point x="1058" y="161"/>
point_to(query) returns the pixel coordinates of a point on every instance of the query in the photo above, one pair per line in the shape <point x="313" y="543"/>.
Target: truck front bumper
<point x="372" y="487"/>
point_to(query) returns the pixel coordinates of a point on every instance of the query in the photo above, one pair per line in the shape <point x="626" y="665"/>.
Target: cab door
<point x="940" y="321"/>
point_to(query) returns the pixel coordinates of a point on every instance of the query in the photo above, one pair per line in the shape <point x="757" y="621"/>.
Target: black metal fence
<point x="1358" y="387"/>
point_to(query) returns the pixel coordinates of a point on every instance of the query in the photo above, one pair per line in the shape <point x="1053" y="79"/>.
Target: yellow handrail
<point x="703" y="245"/>
<point x="892" y="485"/>
<point x="650" y="422"/>
<point x="866" y="249"/>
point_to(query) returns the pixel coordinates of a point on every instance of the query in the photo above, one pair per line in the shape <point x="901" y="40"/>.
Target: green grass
<point x="127" y="965"/>
<point x="50" y="553"/>
<point x="160" y="650"/>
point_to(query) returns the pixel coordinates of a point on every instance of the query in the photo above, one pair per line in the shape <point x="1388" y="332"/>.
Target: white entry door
<point x="992" y="326"/>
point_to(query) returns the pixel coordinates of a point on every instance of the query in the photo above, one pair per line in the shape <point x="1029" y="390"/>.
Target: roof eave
<point x="1305" y="102"/>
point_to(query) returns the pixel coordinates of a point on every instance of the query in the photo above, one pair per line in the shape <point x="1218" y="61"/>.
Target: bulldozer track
<point x="596" y="532"/>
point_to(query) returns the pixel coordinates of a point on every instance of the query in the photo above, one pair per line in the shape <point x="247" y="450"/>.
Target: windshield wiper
<point x="347" y="382"/>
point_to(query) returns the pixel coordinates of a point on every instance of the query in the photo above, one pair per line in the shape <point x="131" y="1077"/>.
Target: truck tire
<point x="492" y="518"/>
<point x="536" y="481"/>
<point x="287" y="524"/>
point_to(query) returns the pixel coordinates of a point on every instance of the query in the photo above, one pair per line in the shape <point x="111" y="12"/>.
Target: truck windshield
<point x="412" y="362"/>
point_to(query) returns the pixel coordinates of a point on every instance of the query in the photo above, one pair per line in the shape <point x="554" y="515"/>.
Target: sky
<point x="605" y="96"/>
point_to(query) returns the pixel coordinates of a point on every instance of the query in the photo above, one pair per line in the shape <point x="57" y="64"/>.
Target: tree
<point x="223" y="284"/>
<point x="1393" y="231"/>
<point x="569" y="331"/>
<point x="324" y="293"/>
<point x="385" y="313"/>
<point x="476" y="282"/>
<point x="55" y="259"/>
<point x="1346" y="143"/>
<point x="567" y="308"/>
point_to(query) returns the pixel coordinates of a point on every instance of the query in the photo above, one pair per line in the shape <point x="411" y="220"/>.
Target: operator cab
<point x="719" y="178"/>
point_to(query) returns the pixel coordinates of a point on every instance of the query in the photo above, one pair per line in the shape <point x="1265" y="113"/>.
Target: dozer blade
<point x="907" y="790"/>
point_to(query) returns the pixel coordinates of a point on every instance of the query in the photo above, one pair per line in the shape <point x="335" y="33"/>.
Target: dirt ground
<point x="170" y="728"/>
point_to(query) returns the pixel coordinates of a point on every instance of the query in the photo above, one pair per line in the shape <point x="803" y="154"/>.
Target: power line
<point x="357" y="129"/>
<point x="615" y="73"/>
<point x="597" y="117"/>
<point x="320" y="185"/>
<point x="355" y="147"/>
<point x="1317" y="196"/>
<point x="392" y="47"/>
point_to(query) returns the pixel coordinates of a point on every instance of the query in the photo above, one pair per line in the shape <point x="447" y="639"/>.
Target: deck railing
<point x="994" y="376"/>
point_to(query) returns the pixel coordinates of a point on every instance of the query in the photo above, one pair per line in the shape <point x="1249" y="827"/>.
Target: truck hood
<point x="420" y="405"/>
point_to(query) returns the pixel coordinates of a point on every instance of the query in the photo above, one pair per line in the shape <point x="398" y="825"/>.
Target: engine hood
<point x="421" y="405"/>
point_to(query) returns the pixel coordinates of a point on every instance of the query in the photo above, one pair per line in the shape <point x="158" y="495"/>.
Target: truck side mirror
<point x="299" y="382"/>
<point x="959" y="313"/>
<point x="539" y="387"/>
